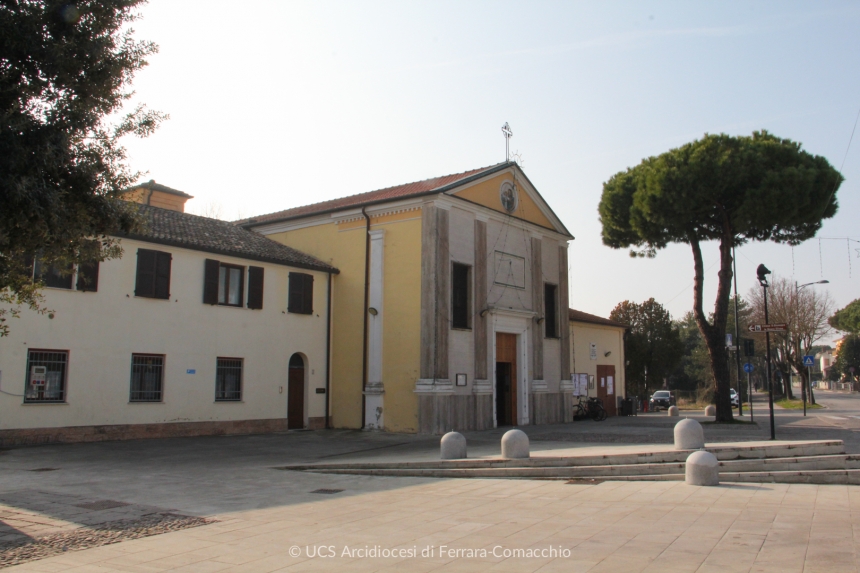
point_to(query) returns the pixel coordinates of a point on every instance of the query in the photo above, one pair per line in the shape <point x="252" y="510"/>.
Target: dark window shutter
<point x="301" y="293"/>
<point x="88" y="277"/>
<point x="308" y="295"/>
<point x="145" y="283"/>
<point x="255" y="287"/>
<point x="460" y="296"/>
<point x="550" y="310"/>
<point x="162" y="274"/>
<point x="210" y="281"/>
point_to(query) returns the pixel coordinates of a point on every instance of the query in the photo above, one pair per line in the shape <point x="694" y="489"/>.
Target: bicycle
<point x="591" y="408"/>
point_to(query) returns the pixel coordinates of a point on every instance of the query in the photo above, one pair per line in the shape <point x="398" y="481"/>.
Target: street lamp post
<point x="797" y="288"/>
<point x="762" y="272"/>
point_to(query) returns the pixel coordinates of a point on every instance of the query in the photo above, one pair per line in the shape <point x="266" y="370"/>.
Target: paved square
<point x="510" y="525"/>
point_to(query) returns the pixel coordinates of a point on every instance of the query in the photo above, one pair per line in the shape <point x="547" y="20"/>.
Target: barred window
<point x="147" y="377"/>
<point x="46" y="376"/>
<point x="228" y="380"/>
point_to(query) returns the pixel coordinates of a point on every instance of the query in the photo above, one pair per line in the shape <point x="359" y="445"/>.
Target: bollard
<point x="672" y="411"/>
<point x="453" y="446"/>
<point x="515" y="444"/>
<point x="689" y="435"/>
<point x="710" y="410"/>
<point x="702" y="468"/>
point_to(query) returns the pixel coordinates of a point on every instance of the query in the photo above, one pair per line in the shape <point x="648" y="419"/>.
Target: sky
<point x="278" y="104"/>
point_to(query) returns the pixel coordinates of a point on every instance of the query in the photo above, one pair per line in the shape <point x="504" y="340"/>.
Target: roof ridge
<point x="365" y="193"/>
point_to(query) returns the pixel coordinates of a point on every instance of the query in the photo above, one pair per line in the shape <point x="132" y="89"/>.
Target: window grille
<point x="49" y="382"/>
<point x="147" y="377"/>
<point x="228" y="380"/>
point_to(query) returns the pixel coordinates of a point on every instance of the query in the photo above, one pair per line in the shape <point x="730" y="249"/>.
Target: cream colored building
<point x="200" y="328"/>
<point x="597" y="353"/>
<point x="450" y="308"/>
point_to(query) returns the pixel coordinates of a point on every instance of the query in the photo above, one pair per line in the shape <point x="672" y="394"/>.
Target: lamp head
<point x="762" y="272"/>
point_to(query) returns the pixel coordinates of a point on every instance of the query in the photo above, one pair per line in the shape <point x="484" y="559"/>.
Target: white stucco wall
<point x="608" y="339"/>
<point x="101" y="330"/>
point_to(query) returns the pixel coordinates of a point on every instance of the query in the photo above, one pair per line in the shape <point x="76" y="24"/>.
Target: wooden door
<point x="506" y="379"/>
<point x="296" y="393"/>
<point x="607" y="389"/>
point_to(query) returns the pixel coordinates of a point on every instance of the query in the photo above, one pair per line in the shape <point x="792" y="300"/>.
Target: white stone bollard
<point x="702" y="468"/>
<point x="453" y="446"/>
<point x="672" y="411"/>
<point x="710" y="410"/>
<point x="515" y="444"/>
<point x="689" y="435"/>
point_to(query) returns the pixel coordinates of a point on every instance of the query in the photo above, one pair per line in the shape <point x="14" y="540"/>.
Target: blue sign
<point x="748" y="368"/>
<point x="809" y="360"/>
<point x="191" y="371"/>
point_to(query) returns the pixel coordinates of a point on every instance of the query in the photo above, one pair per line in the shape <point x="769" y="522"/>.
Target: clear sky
<point x="278" y="104"/>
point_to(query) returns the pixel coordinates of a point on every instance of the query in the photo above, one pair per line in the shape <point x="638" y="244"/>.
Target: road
<point x="839" y="419"/>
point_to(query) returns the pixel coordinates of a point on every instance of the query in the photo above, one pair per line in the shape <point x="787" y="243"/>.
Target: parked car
<point x="661" y="399"/>
<point x="735" y="398"/>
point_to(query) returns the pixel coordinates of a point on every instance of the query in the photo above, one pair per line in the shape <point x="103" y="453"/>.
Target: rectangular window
<point x="53" y="276"/>
<point x="147" y="377"/>
<point x="231" y="281"/>
<point x="46" y="376"/>
<point x="461" y="296"/>
<point x="88" y="277"/>
<point x="228" y="380"/>
<point x="550" y="313"/>
<point x="301" y="294"/>
<point x="153" y="274"/>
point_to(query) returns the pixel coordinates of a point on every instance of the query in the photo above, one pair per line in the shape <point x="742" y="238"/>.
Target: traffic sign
<point x="779" y="327"/>
<point x="808" y="360"/>
<point x="748" y="368"/>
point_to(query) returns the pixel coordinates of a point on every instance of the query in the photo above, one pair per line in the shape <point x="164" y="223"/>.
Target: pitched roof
<point x="579" y="316"/>
<point x="168" y="227"/>
<point x="153" y="186"/>
<point x="415" y="189"/>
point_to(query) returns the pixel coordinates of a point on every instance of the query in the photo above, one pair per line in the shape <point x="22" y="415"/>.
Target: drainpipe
<point x="328" y="356"/>
<point x="366" y="308"/>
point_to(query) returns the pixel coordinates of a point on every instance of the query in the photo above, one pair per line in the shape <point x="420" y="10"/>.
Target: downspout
<point x="366" y="309"/>
<point x="328" y="356"/>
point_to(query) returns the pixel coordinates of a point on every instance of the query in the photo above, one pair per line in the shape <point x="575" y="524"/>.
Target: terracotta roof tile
<point x="436" y="184"/>
<point x="579" y="316"/>
<point x="168" y="227"/>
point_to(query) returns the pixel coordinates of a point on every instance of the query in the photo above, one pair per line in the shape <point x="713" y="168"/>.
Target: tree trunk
<point x="715" y="334"/>
<point x="811" y="393"/>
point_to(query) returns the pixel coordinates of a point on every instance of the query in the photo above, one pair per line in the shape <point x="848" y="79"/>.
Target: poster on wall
<point x="583" y="384"/>
<point x="610" y="385"/>
<point x="574" y="381"/>
<point x="593" y="351"/>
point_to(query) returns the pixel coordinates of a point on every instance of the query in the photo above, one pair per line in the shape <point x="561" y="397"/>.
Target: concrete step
<point x="724" y="452"/>
<point x="841" y="477"/>
<point x="808" y="463"/>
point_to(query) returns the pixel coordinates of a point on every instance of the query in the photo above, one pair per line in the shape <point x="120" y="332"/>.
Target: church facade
<point x="451" y="307"/>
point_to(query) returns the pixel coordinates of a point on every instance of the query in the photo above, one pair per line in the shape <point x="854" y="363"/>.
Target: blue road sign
<point x="748" y="367"/>
<point x="809" y="360"/>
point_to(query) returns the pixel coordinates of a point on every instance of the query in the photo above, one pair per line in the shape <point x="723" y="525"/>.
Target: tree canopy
<point x="653" y="345"/>
<point x="720" y="188"/>
<point x="848" y="318"/>
<point x="65" y="71"/>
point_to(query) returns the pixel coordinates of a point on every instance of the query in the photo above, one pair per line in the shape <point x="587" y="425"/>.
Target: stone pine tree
<point x="725" y="190"/>
<point x="848" y="318"/>
<point x="65" y="73"/>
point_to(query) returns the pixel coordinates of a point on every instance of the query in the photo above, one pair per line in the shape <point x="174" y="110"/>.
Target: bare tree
<point x="805" y="311"/>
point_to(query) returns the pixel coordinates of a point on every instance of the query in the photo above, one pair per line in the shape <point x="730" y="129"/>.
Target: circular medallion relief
<point x="508" y="196"/>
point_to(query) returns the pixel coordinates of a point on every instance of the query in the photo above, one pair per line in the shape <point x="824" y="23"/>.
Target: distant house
<point x="450" y="309"/>
<point x="597" y="345"/>
<point x="202" y="327"/>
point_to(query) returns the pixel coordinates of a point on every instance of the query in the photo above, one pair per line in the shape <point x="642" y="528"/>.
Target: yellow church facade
<point x="450" y="310"/>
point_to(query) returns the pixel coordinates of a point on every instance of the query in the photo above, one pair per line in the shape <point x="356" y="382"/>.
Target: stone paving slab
<point x="494" y="525"/>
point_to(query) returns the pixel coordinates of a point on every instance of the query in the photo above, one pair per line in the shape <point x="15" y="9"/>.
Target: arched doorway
<point x="296" y="393"/>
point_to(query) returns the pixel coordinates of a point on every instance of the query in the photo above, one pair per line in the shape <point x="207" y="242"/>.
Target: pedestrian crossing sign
<point x="808" y="360"/>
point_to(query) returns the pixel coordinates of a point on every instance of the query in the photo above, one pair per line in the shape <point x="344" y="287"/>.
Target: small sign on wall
<point x="591" y="381"/>
<point x="461" y="379"/>
<point x="593" y="351"/>
<point x="610" y="385"/>
<point x="191" y="371"/>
